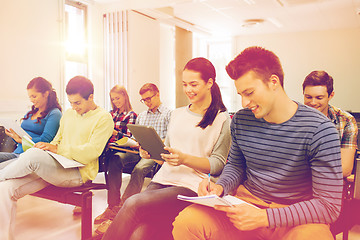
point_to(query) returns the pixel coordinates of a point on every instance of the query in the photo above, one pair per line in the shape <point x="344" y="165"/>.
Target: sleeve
<point x="327" y="185"/>
<point x="220" y="151"/>
<point x="350" y="134"/>
<point x="86" y="152"/>
<point x="234" y="171"/>
<point x="51" y="127"/>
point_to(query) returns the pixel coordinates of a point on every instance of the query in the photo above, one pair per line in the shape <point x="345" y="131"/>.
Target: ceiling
<point x="243" y="17"/>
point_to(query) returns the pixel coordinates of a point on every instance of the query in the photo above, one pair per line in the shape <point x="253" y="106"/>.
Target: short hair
<point x="259" y="60"/>
<point x="319" y="78"/>
<point x="81" y="85"/>
<point x="121" y="90"/>
<point x="148" y="87"/>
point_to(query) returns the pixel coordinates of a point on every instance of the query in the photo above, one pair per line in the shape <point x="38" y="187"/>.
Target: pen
<point x="209" y="182"/>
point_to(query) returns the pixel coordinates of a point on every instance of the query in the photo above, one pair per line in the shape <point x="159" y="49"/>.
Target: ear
<point x="46" y="94"/>
<point x="91" y="97"/>
<point x="210" y="83"/>
<point x="274" y="82"/>
<point x="331" y="95"/>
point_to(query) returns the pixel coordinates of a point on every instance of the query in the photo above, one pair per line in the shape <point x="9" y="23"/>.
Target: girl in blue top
<point x="42" y="121"/>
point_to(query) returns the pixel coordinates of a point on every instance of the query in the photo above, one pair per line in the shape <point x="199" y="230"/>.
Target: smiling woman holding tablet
<point x="198" y="142"/>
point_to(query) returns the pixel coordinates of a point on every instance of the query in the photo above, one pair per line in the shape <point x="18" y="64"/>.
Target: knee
<point x="187" y="220"/>
<point x="309" y="231"/>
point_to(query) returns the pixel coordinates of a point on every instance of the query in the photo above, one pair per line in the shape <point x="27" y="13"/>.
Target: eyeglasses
<point x="148" y="99"/>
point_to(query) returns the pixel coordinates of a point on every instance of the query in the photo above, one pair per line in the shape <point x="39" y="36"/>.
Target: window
<point x="76" y="52"/>
<point x="219" y="53"/>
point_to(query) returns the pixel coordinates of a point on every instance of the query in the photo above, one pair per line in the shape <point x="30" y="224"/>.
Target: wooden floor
<point x="41" y="219"/>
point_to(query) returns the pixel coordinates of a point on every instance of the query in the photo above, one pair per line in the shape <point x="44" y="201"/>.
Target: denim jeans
<point x="4" y="156"/>
<point x="149" y="214"/>
<point x="32" y="171"/>
<point x="142" y="168"/>
<point x="117" y="162"/>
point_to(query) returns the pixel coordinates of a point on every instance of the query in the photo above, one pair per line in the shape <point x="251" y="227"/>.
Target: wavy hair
<point x="41" y="85"/>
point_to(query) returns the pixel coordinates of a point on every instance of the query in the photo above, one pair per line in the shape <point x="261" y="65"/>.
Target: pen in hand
<point x="208" y="188"/>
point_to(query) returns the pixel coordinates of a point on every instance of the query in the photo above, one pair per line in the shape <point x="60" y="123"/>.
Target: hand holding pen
<point x="207" y="187"/>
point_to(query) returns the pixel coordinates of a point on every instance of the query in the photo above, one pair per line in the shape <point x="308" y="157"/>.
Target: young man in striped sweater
<point x="284" y="159"/>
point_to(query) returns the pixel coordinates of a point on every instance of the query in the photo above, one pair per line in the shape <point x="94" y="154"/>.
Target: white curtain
<point x="115" y="48"/>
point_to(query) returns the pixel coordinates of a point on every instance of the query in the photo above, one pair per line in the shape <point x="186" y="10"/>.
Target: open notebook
<point x="212" y="200"/>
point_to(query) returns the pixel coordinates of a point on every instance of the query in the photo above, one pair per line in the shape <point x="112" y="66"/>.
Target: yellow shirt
<point x="83" y="138"/>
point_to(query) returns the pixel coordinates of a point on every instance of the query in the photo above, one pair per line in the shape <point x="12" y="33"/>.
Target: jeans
<point x="142" y="168"/>
<point x="149" y="214"/>
<point x="32" y="171"/>
<point x="117" y="162"/>
<point x="4" y="156"/>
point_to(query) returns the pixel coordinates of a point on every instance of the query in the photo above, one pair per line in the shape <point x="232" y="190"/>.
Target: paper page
<point x="212" y="200"/>
<point x="65" y="162"/>
<point x="15" y="125"/>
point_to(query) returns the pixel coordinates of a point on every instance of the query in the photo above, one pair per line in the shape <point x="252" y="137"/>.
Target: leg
<point x="201" y="222"/>
<point x="5" y="156"/>
<point x="11" y="190"/>
<point x="136" y="182"/>
<point x="155" y="206"/>
<point x="114" y="181"/>
<point x="306" y="231"/>
<point x="39" y="162"/>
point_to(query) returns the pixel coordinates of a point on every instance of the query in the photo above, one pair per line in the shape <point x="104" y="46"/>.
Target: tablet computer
<point x="148" y="139"/>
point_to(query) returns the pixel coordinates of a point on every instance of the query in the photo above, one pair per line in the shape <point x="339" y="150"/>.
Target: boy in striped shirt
<point x="284" y="159"/>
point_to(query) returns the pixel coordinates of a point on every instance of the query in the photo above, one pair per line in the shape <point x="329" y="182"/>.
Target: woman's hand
<point x="11" y="133"/>
<point x="174" y="157"/>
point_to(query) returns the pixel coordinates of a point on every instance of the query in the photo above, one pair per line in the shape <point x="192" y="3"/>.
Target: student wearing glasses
<point x="156" y="116"/>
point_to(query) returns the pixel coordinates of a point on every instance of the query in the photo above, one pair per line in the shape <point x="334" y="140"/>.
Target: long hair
<point x="207" y="71"/>
<point x="121" y="90"/>
<point x="41" y="85"/>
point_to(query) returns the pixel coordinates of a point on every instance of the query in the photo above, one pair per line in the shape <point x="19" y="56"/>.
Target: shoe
<point x="77" y="210"/>
<point x="108" y="214"/>
<point x="103" y="227"/>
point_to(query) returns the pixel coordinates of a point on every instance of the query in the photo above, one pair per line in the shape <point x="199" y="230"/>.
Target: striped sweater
<point x="296" y="163"/>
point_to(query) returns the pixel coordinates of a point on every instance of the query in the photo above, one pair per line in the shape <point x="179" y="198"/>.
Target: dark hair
<point x="319" y="78"/>
<point x="41" y="85"/>
<point x="207" y="71"/>
<point x="148" y="87"/>
<point x="259" y="60"/>
<point x="121" y="90"/>
<point x="81" y="85"/>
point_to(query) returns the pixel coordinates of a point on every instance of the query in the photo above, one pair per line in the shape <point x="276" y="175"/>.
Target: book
<point x="65" y="162"/>
<point x="212" y="200"/>
<point x="8" y="123"/>
<point x="126" y="142"/>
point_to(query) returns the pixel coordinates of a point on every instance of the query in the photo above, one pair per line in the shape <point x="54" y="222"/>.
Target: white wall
<point x="143" y="56"/>
<point x="335" y="51"/>
<point x="30" y="46"/>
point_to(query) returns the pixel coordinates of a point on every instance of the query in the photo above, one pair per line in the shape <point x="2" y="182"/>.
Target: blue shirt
<point x="41" y="132"/>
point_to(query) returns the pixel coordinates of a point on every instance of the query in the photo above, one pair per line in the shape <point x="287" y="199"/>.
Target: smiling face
<point x="38" y="99"/>
<point x="317" y="97"/>
<point x="195" y="88"/>
<point x="256" y="95"/>
<point x="80" y="104"/>
<point x="117" y="99"/>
